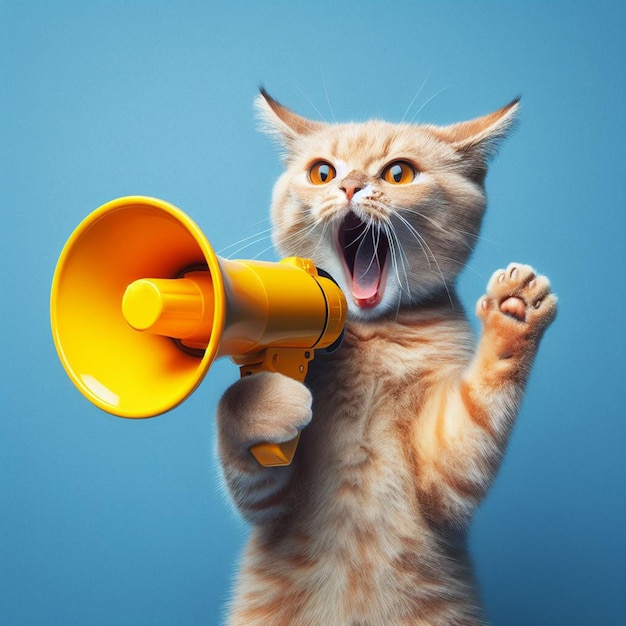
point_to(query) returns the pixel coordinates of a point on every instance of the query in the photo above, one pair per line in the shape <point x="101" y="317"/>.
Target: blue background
<point x="113" y="521"/>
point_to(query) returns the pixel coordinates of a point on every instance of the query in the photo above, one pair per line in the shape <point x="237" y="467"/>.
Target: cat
<point x="404" y="426"/>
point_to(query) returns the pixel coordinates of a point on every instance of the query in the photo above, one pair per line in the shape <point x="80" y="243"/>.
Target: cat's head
<point x="391" y="211"/>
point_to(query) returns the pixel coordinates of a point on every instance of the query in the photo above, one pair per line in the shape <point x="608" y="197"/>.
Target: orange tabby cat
<point x="404" y="427"/>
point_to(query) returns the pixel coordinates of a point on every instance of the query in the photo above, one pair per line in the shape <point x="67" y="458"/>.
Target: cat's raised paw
<point x="519" y="294"/>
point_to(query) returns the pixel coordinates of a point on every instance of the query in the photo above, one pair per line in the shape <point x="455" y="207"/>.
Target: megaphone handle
<point x="290" y="362"/>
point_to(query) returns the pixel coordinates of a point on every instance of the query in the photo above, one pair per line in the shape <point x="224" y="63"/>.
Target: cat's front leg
<point x="265" y="407"/>
<point x="462" y="442"/>
<point x="515" y="312"/>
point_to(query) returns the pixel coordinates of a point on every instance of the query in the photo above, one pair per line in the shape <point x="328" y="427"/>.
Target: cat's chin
<point x="365" y="315"/>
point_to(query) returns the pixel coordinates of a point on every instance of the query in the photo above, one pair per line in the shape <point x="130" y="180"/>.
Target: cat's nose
<point x="351" y="185"/>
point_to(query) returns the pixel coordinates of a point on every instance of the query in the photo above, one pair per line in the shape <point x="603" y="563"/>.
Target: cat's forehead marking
<point x="367" y="143"/>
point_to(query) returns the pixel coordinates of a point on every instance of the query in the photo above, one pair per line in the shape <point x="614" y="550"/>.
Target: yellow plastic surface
<point x="181" y="308"/>
<point x="275" y="454"/>
<point x="120" y="370"/>
<point x="141" y="306"/>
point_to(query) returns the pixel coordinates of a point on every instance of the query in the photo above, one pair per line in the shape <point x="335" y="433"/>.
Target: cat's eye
<point x="321" y="173"/>
<point x="399" y="173"/>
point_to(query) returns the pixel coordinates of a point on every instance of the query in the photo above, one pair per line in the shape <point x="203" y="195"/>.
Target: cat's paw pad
<point x="520" y="294"/>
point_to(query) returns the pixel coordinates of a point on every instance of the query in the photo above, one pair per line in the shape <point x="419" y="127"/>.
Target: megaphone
<point x="141" y="306"/>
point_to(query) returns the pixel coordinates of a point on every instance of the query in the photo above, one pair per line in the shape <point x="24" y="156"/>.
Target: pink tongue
<point x="366" y="274"/>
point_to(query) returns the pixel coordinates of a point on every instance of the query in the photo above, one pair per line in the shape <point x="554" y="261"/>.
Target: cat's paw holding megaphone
<point x="263" y="408"/>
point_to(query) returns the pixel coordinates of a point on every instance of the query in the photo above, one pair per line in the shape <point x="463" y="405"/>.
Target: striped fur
<point x="404" y="427"/>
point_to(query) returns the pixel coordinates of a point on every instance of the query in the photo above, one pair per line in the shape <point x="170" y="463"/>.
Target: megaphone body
<point x="141" y="307"/>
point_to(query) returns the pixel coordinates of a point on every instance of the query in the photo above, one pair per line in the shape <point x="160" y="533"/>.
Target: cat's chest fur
<point x="380" y="378"/>
<point x="357" y="462"/>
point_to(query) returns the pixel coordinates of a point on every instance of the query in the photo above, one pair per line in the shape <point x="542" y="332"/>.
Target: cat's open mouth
<point x="364" y="250"/>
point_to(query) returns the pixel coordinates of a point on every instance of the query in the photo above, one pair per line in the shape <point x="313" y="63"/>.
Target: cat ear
<point x="482" y="136"/>
<point x="281" y="123"/>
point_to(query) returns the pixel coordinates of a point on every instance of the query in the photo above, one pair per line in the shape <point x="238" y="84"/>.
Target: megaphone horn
<point x="141" y="306"/>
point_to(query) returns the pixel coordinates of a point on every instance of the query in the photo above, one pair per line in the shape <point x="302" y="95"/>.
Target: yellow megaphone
<point x="141" y="306"/>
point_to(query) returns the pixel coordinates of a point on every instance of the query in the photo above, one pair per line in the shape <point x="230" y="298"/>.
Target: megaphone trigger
<point x="141" y="306"/>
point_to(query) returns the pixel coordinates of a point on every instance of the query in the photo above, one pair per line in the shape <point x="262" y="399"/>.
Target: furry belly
<point x="350" y="564"/>
<point x="280" y="586"/>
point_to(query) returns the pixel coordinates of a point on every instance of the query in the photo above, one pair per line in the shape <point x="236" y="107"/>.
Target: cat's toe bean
<point x="496" y="282"/>
<point x="538" y="289"/>
<point x="544" y="306"/>
<point x="520" y="274"/>
<point x="511" y="281"/>
<point x="482" y="307"/>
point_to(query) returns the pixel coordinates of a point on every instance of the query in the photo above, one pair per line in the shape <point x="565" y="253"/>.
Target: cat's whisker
<point x="415" y="97"/>
<point x="258" y="254"/>
<point x="330" y="106"/>
<point x="248" y="241"/>
<point x="359" y="238"/>
<point x="428" y="102"/>
<point x="261" y="237"/>
<point x="393" y="247"/>
<point x="432" y="221"/>
<point x="464" y="266"/>
<point x="238" y="251"/>
<point x="310" y="102"/>
<point x="297" y="238"/>
<point x="420" y="240"/>
<point x="423" y="243"/>
<point x="322" y="237"/>
<point x="375" y="250"/>
<point x="399" y="261"/>
<point x="398" y="256"/>
<point x="380" y="207"/>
